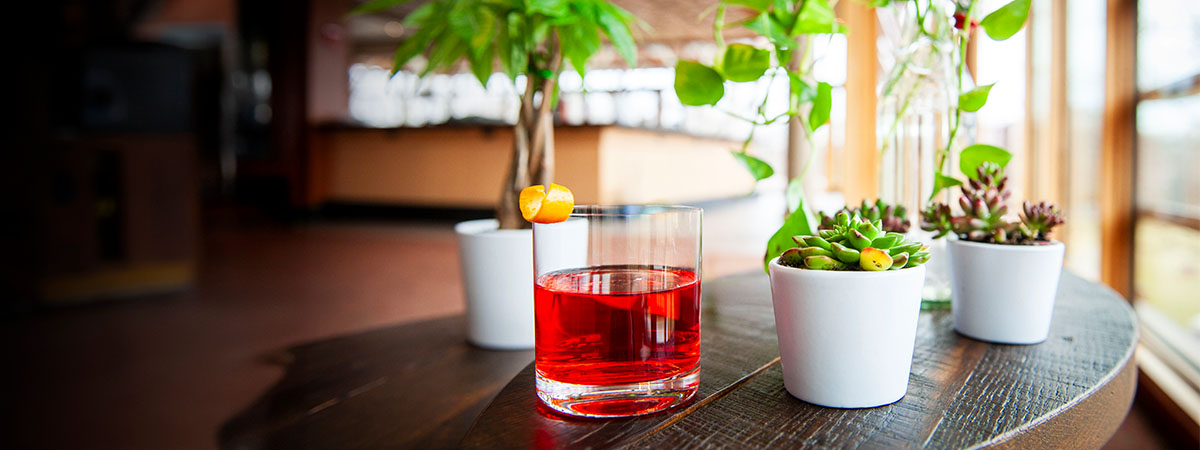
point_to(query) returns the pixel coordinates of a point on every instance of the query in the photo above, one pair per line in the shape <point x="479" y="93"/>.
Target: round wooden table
<point x="421" y="385"/>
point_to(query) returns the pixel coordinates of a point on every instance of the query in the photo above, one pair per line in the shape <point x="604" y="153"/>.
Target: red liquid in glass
<point x="614" y="325"/>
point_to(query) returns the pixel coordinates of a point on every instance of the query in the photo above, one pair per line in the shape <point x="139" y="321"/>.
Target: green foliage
<point x="794" y="194"/>
<point x="854" y="243"/>
<point x="969" y="161"/>
<point x="942" y="182"/>
<point x="974" y="99"/>
<point x="757" y="5"/>
<point x="376" y="6"/>
<point x="822" y="104"/>
<point x="1003" y="23"/>
<point x="744" y="62"/>
<point x="816" y="17"/>
<point x="799" y="222"/>
<point x="697" y="84"/>
<point x="523" y="36"/>
<point x="757" y="167"/>
<point x="780" y="22"/>
<point x="977" y="155"/>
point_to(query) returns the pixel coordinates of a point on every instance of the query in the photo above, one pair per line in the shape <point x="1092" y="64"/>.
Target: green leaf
<point x="376" y="5"/>
<point x="765" y="25"/>
<point x="579" y="42"/>
<point x="794" y="194"/>
<point x="1002" y="23"/>
<point x="975" y="155"/>
<point x="447" y="49"/>
<point x="504" y="47"/>
<point x="411" y="47"/>
<point x="783" y="16"/>
<point x="464" y="20"/>
<point x="612" y="19"/>
<point x="744" y="62"/>
<point x="942" y="182"/>
<point x="821" y="105"/>
<point x="799" y="222"/>
<point x="421" y="15"/>
<point x="816" y="17"/>
<point x="757" y="167"/>
<point x="974" y="99"/>
<point x="801" y="92"/>
<point x="481" y="64"/>
<point x="757" y="5"/>
<point x="552" y="8"/>
<point x="515" y="50"/>
<point x="697" y="84"/>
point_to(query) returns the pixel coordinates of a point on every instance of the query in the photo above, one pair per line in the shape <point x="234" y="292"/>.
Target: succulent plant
<point x="893" y="217"/>
<point x="983" y="218"/>
<point x="854" y="243"/>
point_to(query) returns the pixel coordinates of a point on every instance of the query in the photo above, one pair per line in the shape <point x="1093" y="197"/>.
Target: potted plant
<point x="1005" y="272"/>
<point x="846" y="307"/>
<point x="528" y="41"/>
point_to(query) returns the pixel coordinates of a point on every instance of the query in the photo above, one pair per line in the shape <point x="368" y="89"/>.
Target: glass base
<point x="623" y="400"/>
<point x="935" y="295"/>
<point x="935" y="305"/>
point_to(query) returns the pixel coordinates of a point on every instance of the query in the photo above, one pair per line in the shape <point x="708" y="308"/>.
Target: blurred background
<point x="197" y="185"/>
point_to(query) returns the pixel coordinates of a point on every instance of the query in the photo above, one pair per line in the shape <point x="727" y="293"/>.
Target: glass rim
<point x="622" y="210"/>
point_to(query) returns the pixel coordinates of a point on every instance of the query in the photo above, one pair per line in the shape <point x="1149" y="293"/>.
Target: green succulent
<point x="854" y="243"/>
<point x="983" y="218"/>
<point x="893" y="217"/>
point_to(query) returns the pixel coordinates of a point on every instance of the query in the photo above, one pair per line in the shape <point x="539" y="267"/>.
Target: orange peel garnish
<point x="542" y="205"/>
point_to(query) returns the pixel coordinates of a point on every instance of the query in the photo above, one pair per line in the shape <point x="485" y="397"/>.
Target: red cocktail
<point x="617" y="325"/>
<point x="618" y="339"/>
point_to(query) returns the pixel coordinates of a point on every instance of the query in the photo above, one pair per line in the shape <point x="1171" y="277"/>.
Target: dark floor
<point x="165" y="372"/>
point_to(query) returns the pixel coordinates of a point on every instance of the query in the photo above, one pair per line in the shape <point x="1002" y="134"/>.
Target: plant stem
<point x="956" y="112"/>
<point x="719" y="25"/>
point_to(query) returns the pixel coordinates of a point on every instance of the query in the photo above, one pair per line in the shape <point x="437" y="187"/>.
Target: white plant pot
<point x="846" y="338"/>
<point x="1004" y="293"/>
<point x="497" y="275"/>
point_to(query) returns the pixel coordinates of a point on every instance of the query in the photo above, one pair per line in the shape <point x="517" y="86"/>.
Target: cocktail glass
<point x="617" y="298"/>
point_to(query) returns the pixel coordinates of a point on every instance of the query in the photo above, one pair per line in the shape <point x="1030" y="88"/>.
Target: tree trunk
<point x="541" y="156"/>
<point x="508" y="212"/>
<point x="532" y="160"/>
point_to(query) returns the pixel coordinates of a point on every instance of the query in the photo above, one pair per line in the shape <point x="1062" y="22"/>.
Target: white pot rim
<point x="848" y="274"/>
<point x="1052" y="246"/>
<point x="489" y="227"/>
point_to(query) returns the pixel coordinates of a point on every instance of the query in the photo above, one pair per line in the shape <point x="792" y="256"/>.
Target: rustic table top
<point x="420" y="385"/>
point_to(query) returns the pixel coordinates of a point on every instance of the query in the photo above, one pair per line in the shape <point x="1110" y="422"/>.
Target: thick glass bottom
<point x="935" y="305"/>
<point x="624" y="400"/>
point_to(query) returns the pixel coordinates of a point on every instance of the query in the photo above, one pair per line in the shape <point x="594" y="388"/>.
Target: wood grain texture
<point x="411" y="386"/>
<point x="421" y="386"/>
<point x="1071" y="391"/>
<point x="515" y="418"/>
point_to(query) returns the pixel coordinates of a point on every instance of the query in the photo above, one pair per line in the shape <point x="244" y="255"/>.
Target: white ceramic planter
<point x="1004" y="293"/>
<point x="497" y="272"/>
<point x="846" y="338"/>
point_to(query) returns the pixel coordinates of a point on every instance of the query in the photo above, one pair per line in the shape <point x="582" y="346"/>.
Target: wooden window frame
<point x="1118" y="208"/>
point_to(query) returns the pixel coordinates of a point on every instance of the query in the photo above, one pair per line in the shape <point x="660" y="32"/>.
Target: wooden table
<point x="420" y="385"/>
